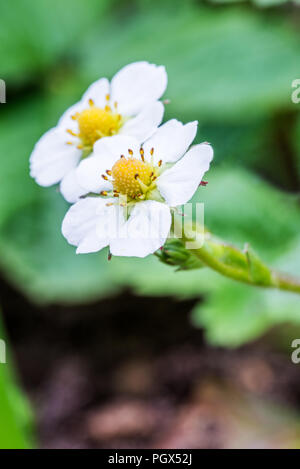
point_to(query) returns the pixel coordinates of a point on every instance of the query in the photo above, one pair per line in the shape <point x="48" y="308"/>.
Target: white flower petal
<point x="91" y="243"/>
<point x="66" y="121"/>
<point x="79" y="226"/>
<point x="52" y="158"/>
<point x="106" y="152"/>
<point x="112" y="222"/>
<point x="70" y="187"/>
<point x="178" y="184"/>
<point x="137" y="85"/>
<point x="170" y="141"/>
<point x="89" y="174"/>
<point x="116" y="146"/>
<point x="145" y="123"/>
<point x="145" y="231"/>
<point x="97" y="92"/>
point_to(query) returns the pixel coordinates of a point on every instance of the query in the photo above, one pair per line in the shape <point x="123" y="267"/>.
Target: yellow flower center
<point x="132" y="177"/>
<point x="95" y="123"/>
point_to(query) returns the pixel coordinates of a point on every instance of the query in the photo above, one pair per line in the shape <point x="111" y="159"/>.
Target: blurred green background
<point x="230" y="66"/>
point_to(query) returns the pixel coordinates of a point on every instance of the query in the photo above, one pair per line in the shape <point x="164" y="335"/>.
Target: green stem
<point x="209" y="260"/>
<point x="287" y="282"/>
<point x="244" y="266"/>
<point x="277" y="279"/>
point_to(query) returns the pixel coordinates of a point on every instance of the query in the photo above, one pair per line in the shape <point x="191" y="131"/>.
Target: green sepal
<point x="260" y="274"/>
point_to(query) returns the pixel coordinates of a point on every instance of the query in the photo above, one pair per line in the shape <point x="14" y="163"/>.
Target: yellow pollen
<point x="129" y="175"/>
<point x="95" y="123"/>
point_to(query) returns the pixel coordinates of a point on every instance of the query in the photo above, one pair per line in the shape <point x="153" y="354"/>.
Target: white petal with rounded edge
<point x="70" y="187"/>
<point x="116" y="146"/>
<point x="137" y="85"/>
<point x="145" y="231"/>
<point x="91" y="243"/>
<point x="106" y="152"/>
<point x="79" y="226"/>
<point x="178" y="184"/>
<point x="97" y="92"/>
<point x="145" y="123"/>
<point x="170" y="141"/>
<point x="89" y="174"/>
<point x="52" y="158"/>
<point x="66" y="121"/>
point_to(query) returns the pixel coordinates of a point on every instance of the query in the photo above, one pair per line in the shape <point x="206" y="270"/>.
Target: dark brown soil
<point x="133" y="372"/>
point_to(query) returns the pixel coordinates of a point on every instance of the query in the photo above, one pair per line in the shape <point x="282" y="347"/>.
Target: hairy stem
<point x="241" y="265"/>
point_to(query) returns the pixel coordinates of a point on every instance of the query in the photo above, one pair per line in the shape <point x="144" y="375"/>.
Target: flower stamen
<point x="95" y="123"/>
<point x="132" y="177"/>
<point x="151" y="153"/>
<point x="72" y="133"/>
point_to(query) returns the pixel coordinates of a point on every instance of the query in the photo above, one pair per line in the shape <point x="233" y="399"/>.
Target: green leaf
<point x="264" y="146"/>
<point x="16" y="417"/>
<point x="296" y="144"/>
<point x="20" y="127"/>
<point x="39" y="260"/>
<point x="269" y="3"/>
<point x="234" y="314"/>
<point x="260" y="3"/>
<point x="222" y="63"/>
<point x="35" y="34"/>
<point x="240" y="207"/>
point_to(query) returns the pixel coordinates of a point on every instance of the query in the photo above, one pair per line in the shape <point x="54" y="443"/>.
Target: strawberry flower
<point x="138" y="186"/>
<point x="127" y="106"/>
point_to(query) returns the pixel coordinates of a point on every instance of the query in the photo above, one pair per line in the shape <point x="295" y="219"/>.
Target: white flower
<point x="127" y="106"/>
<point x="139" y="184"/>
